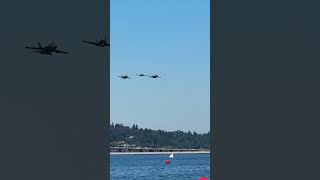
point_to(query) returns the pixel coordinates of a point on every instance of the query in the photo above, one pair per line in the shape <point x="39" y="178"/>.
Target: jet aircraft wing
<point x="59" y="51"/>
<point x="90" y="42"/>
<point x="32" y="47"/>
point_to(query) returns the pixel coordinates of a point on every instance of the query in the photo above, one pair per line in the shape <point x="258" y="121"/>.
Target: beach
<point x="155" y="153"/>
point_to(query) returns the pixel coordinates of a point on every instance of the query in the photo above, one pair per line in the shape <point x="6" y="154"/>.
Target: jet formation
<point x="53" y="48"/>
<point x="141" y="75"/>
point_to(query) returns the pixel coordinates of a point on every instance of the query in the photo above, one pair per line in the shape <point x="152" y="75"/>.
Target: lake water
<point x="153" y="167"/>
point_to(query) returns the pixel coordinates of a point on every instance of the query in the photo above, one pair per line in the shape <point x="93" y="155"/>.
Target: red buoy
<point x="203" y="178"/>
<point x="167" y="161"/>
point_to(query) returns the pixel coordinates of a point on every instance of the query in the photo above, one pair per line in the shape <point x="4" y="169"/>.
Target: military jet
<point x="155" y="76"/>
<point x="100" y="43"/>
<point x="51" y="48"/>
<point x="124" y="77"/>
<point x="141" y="75"/>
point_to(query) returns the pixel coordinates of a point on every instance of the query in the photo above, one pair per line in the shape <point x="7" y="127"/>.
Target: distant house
<point x="118" y="144"/>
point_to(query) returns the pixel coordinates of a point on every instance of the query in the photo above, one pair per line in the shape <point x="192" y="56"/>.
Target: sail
<point x="171" y="156"/>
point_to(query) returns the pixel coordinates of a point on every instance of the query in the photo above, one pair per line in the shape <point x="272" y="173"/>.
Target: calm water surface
<point x="153" y="167"/>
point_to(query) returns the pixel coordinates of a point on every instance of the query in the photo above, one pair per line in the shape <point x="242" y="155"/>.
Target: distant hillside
<point x="121" y="135"/>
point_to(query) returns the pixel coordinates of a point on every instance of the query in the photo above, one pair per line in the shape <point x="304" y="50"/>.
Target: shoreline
<point x="159" y="153"/>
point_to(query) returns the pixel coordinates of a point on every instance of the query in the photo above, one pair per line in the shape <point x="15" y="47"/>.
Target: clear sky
<point x="170" y="38"/>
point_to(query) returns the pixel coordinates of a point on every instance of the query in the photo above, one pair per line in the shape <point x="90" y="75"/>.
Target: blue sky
<point x="170" y="38"/>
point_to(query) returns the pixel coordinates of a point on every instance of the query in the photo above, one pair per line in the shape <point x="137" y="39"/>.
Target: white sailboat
<point x="171" y="155"/>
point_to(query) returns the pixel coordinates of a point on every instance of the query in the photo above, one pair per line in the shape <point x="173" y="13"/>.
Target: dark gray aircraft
<point x="155" y="76"/>
<point x="51" y="48"/>
<point x="124" y="77"/>
<point x="101" y="43"/>
<point x="141" y="75"/>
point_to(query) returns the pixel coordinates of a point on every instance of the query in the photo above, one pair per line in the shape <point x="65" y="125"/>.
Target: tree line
<point x="144" y="137"/>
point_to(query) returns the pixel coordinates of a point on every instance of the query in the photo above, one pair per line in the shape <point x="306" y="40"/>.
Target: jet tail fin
<point x="39" y="44"/>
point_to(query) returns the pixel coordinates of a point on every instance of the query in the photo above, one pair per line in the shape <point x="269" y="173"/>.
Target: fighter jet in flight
<point x="141" y="75"/>
<point x="100" y="43"/>
<point x="51" y="48"/>
<point x="155" y="76"/>
<point x="124" y="77"/>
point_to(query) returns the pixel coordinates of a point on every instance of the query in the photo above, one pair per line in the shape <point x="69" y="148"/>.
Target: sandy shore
<point x="145" y="153"/>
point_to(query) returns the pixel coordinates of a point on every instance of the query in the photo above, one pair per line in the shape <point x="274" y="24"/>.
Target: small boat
<point x="171" y="155"/>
